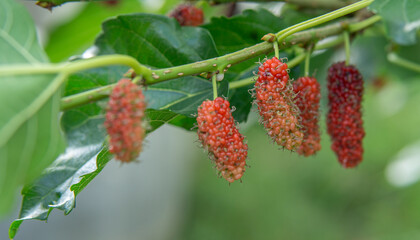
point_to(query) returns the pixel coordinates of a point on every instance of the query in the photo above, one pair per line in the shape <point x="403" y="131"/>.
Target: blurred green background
<point x="176" y="194"/>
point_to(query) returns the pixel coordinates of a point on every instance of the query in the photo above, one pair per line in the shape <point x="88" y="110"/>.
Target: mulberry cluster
<point x="219" y="135"/>
<point x="124" y="120"/>
<point x="275" y="100"/>
<point x="344" y="120"/>
<point x="188" y="15"/>
<point x="308" y="94"/>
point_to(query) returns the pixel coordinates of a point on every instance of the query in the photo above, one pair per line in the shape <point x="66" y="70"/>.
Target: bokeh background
<point x="174" y="191"/>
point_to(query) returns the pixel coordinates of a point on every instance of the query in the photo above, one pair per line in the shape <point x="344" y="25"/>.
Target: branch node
<point x="270" y="37"/>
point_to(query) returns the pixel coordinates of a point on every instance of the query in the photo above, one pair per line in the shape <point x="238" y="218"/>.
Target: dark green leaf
<point x="155" y="40"/>
<point x="240" y="98"/>
<point x="30" y="136"/>
<point x="401" y="17"/>
<point x="159" y="117"/>
<point x="233" y="34"/>
<point x="183" y="95"/>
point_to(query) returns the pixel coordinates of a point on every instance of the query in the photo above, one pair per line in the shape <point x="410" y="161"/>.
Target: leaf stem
<point x="214" y="82"/>
<point x="276" y="49"/>
<point x="324" y="4"/>
<point x="322" y="19"/>
<point x="346" y="36"/>
<point x="355" y="27"/>
<point x="397" y="60"/>
<point x="307" y="61"/>
<point x="86" y="97"/>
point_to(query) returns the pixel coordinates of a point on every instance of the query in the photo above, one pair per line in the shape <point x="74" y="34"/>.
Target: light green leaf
<point x="30" y="135"/>
<point x="401" y="17"/>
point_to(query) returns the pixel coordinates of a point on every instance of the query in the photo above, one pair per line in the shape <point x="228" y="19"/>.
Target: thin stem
<point x="324" y="4"/>
<point x="276" y="49"/>
<point x="77" y="66"/>
<point x="90" y="96"/>
<point x="296" y="60"/>
<point x="346" y="36"/>
<point x="82" y="98"/>
<point x="322" y="19"/>
<point x="307" y="60"/>
<point x="214" y="82"/>
<point x="397" y="60"/>
<point x="355" y="27"/>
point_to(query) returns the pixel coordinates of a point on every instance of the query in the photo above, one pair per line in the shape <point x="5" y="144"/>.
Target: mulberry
<point x="220" y="137"/>
<point x="188" y="15"/>
<point x="344" y="120"/>
<point x="307" y="90"/>
<point x="124" y="120"/>
<point x="275" y="100"/>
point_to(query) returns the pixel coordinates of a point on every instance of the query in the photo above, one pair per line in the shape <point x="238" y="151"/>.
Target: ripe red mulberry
<point x="344" y="120"/>
<point x="220" y="137"/>
<point x="275" y="100"/>
<point x="124" y="120"/>
<point x="188" y="15"/>
<point x="308" y="94"/>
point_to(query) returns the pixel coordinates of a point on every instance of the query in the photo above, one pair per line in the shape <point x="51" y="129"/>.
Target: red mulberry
<point x="307" y="90"/>
<point x="188" y="15"/>
<point x="344" y="120"/>
<point x="124" y="120"/>
<point x="218" y="134"/>
<point x="275" y="100"/>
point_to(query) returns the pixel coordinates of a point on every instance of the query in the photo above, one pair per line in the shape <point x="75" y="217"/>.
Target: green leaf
<point x="30" y="135"/>
<point x="59" y="184"/>
<point x="241" y="31"/>
<point x="402" y="18"/>
<point x="183" y="95"/>
<point x="240" y="98"/>
<point x="155" y="40"/>
<point x="159" y="117"/>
